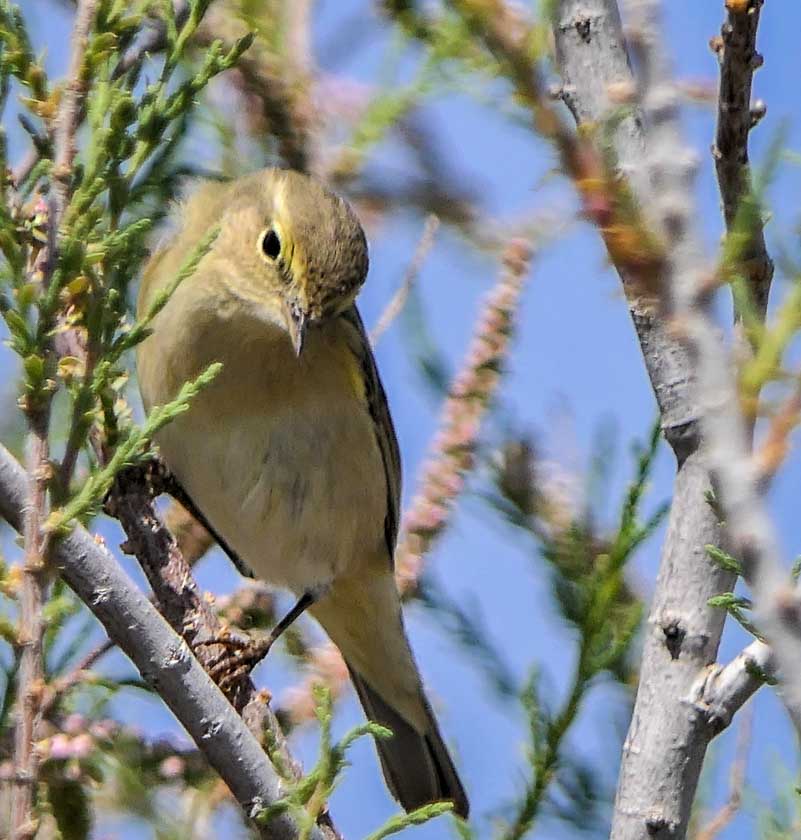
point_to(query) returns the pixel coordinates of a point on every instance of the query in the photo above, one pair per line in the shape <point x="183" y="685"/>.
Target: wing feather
<point x="382" y="423"/>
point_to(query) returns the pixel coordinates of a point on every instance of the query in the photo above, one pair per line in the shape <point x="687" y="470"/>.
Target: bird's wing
<point x="176" y="490"/>
<point x="382" y="424"/>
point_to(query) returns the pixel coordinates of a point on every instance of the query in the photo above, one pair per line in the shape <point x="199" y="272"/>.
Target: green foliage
<point x="72" y="239"/>
<point x="724" y="559"/>
<point x="306" y="798"/>
<point x="131" y="136"/>
<point x="71" y="808"/>
<point x="16" y="56"/>
<point x="129" y="451"/>
<point x="737" y="607"/>
<point x="384" y="112"/>
<point x="588" y="576"/>
<point x="90" y="763"/>
<point x="103" y="765"/>
<point x="400" y="822"/>
<point x="140" y="330"/>
<point x="753" y="669"/>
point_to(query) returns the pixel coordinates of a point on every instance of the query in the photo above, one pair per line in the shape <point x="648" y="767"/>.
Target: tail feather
<point x="417" y="767"/>
<point x="362" y="616"/>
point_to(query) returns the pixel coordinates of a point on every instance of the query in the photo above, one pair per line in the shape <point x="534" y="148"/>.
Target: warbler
<point x="290" y="456"/>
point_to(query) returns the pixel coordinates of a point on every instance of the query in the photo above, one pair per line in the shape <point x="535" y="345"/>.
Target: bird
<point x="290" y="456"/>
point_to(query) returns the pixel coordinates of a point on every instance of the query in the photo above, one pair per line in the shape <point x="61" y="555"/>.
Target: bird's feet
<point x="240" y="656"/>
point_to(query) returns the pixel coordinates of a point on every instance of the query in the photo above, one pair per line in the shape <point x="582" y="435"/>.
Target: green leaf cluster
<point x="306" y="798"/>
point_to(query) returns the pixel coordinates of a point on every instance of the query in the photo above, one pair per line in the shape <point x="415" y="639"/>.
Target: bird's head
<point x="289" y="249"/>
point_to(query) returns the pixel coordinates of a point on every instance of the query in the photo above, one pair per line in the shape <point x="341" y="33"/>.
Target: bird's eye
<point x="270" y="244"/>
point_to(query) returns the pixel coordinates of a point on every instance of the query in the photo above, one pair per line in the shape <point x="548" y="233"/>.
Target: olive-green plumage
<point x="290" y="454"/>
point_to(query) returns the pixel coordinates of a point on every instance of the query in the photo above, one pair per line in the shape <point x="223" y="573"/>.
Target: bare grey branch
<point x="721" y="691"/>
<point x="163" y="659"/>
<point x="667" y="739"/>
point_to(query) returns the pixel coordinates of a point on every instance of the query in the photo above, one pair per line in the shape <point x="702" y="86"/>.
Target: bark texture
<point x="163" y="659"/>
<point x="667" y="739"/>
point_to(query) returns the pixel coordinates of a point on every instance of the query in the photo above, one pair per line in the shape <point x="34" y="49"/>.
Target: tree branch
<point x="592" y="58"/>
<point x="738" y="59"/>
<point x="721" y="691"/>
<point x="689" y="301"/>
<point x="33" y="593"/>
<point x="33" y="589"/>
<point x="162" y="658"/>
<point x="665" y="746"/>
<point x="181" y="602"/>
<point x="726" y="437"/>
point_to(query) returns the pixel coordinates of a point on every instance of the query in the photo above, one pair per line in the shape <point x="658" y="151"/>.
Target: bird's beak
<point x="297" y="327"/>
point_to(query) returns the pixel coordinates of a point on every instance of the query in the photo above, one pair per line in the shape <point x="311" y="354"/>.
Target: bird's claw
<point x="240" y="656"/>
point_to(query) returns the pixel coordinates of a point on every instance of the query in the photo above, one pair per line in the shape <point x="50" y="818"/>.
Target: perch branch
<point x="163" y="659"/>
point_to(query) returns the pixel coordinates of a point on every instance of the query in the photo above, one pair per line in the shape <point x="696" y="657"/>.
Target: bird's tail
<point x="364" y="621"/>
<point x="417" y="766"/>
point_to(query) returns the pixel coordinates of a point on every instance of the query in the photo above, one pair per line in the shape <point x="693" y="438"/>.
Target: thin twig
<point x="33" y="588"/>
<point x="471" y="392"/>
<point x="182" y="604"/>
<point x="69" y="117"/>
<point x="66" y="125"/>
<point x="21" y="171"/>
<point x="605" y="198"/>
<point x="152" y="40"/>
<point x="80" y="673"/>
<point x="73" y="343"/>
<point x="736" y="781"/>
<point x="276" y="87"/>
<point x="398" y="301"/>
<point x="775" y="445"/>
<point x="738" y="59"/>
<point x="32" y="596"/>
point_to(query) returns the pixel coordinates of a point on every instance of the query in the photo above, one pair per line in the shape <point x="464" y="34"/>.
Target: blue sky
<point x="575" y="366"/>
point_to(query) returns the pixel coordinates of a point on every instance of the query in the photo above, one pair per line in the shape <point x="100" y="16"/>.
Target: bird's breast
<point x="280" y="455"/>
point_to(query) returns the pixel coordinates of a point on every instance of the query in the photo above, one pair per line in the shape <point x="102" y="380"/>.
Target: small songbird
<point x="289" y="456"/>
